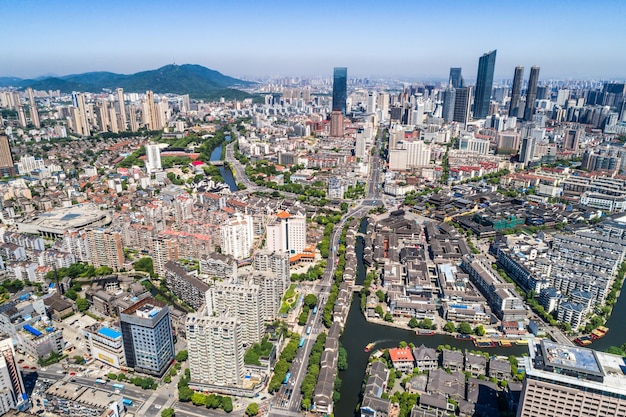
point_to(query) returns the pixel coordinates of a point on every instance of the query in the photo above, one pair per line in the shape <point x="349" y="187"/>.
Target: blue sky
<point x="412" y="38"/>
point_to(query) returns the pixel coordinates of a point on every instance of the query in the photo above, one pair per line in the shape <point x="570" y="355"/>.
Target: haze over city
<point x="412" y="39"/>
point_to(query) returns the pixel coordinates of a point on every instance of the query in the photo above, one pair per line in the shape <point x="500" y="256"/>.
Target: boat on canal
<point x="370" y="346"/>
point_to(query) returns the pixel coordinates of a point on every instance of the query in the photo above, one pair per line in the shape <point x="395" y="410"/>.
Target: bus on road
<point x="308" y="330"/>
<point x="127" y="402"/>
<point x="315" y="310"/>
<point x="100" y="381"/>
<point x="301" y="343"/>
<point x="287" y="378"/>
<point x="118" y="386"/>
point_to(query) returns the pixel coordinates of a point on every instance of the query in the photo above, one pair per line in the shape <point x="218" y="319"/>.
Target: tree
<point x="449" y="327"/>
<point x="182" y="355"/>
<point x="82" y="304"/>
<point x="381" y="295"/>
<point x="480" y="330"/>
<point x="379" y="310"/>
<point x="198" y="399"/>
<point x="413" y="323"/>
<point x="168" y="412"/>
<point x="310" y="300"/>
<point x="185" y="393"/>
<point x="252" y="409"/>
<point x="465" y="328"/>
<point x="227" y="404"/>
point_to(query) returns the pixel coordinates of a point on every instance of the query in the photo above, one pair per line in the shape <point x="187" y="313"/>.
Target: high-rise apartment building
<point x="153" y="154"/>
<point x="216" y="350"/>
<point x="276" y="262"/>
<point x="371" y="102"/>
<point x="484" y="84"/>
<point x="286" y="233"/>
<point x="34" y="113"/>
<point x="340" y="89"/>
<point x="105" y="248"/>
<point x="531" y="93"/>
<point x="122" y="109"/>
<point x="571" y="139"/>
<point x="147" y="335"/>
<point x="456" y="79"/>
<point x="13" y="393"/>
<point x="564" y="380"/>
<point x="163" y="251"/>
<point x="238" y="236"/>
<point x="6" y="159"/>
<point x="516" y="92"/>
<point x="241" y="299"/>
<point x="336" y="124"/>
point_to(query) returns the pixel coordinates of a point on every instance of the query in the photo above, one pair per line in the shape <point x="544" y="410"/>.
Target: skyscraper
<point x="449" y="96"/>
<point x="34" y="114"/>
<point x="153" y="162"/>
<point x="462" y="104"/>
<point x="6" y="159"/>
<point x="516" y="92"/>
<point x="340" y="89"/>
<point x="531" y="93"/>
<point x="120" y="102"/>
<point x="147" y="336"/>
<point x="13" y="393"/>
<point x="484" y="83"/>
<point x="336" y="124"/>
<point x="456" y="79"/>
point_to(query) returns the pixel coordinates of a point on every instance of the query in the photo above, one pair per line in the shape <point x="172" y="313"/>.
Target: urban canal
<point x="229" y="179"/>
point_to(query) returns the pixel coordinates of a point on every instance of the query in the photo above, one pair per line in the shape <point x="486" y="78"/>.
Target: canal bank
<point x="225" y="171"/>
<point x="359" y="332"/>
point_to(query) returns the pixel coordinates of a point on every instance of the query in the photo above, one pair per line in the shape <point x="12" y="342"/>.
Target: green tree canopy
<point x="252" y="409"/>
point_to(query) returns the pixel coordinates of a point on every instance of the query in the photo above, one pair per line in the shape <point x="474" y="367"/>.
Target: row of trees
<point x="312" y="372"/>
<point x="282" y="366"/>
<point x="327" y="317"/>
<point x="310" y="301"/>
<point x="464" y="328"/>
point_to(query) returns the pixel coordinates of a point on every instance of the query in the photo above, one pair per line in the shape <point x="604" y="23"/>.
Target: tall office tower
<point x="449" y="98"/>
<point x="456" y="79"/>
<point x="571" y="139"/>
<point x="484" y="83"/>
<point x="563" y="380"/>
<point x="336" y="124"/>
<point x="147" y="335"/>
<point x="371" y="102"/>
<point x="340" y="89"/>
<point x="132" y="117"/>
<point x="237" y="236"/>
<point x="6" y="159"/>
<point x="105" y="248"/>
<point x="21" y="116"/>
<point x="286" y="233"/>
<point x="241" y="299"/>
<point x="462" y="99"/>
<point x="527" y="149"/>
<point x="216" y="350"/>
<point x="34" y="113"/>
<point x="13" y="393"/>
<point x="516" y="92"/>
<point x="531" y="93"/>
<point x="383" y="105"/>
<point x="153" y="160"/>
<point x="122" y="107"/>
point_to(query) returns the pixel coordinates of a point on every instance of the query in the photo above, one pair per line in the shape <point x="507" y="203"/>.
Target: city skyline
<point x="250" y="39"/>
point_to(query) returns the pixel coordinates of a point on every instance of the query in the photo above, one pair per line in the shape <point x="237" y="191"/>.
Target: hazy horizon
<point x="417" y="40"/>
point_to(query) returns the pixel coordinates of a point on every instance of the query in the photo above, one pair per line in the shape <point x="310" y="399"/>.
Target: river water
<point x="359" y="332"/>
<point x="229" y="179"/>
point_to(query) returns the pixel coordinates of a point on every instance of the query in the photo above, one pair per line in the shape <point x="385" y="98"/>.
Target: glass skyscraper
<point x="340" y="89"/>
<point x="531" y="93"/>
<point x="456" y="79"/>
<point x="516" y="92"/>
<point x="484" y="83"/>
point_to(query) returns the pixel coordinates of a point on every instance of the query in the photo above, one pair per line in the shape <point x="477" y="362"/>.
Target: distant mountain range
<point x="197" y="81"/>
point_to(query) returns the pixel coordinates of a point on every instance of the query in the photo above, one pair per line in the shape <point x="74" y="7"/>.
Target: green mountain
<point x="197" y="81"/>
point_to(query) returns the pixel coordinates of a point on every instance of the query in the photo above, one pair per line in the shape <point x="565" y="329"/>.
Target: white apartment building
<point x="153" y="152"/>
<point x="216" y="349"/>
<point x="12" y="391"/>
<point x="238" y="236"/>
<point x="286" y="233"/>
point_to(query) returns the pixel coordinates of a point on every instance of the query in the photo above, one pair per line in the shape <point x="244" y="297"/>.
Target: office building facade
<point x="516" y="92"/>
<point x="456" y="79"/>
<point x="286" y="233"/>
<point x="531" y="93"/>
<point x="147" y="335"/>
<point x="484" y="84"/>
<point x="340" y="89"/>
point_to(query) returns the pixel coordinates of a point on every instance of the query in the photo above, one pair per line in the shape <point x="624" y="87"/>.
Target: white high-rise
<point x="241" y="299"/>
<point x="216" y="350"/>
<point x="13" y="394"/>
<point x="286" y="233"/>
<point x="153" y="152"/>
<point x="238" y="236"/>
<point x="120" y="102"/>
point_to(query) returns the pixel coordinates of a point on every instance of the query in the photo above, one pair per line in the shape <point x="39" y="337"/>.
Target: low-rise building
<point x="105" y="345"/>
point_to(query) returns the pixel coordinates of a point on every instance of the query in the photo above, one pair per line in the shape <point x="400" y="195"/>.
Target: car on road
<point x="157" y="406"/>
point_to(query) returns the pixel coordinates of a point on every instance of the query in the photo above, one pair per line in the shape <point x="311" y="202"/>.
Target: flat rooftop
<point x="571" y="357"/>
<point x="59" y="220"/>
